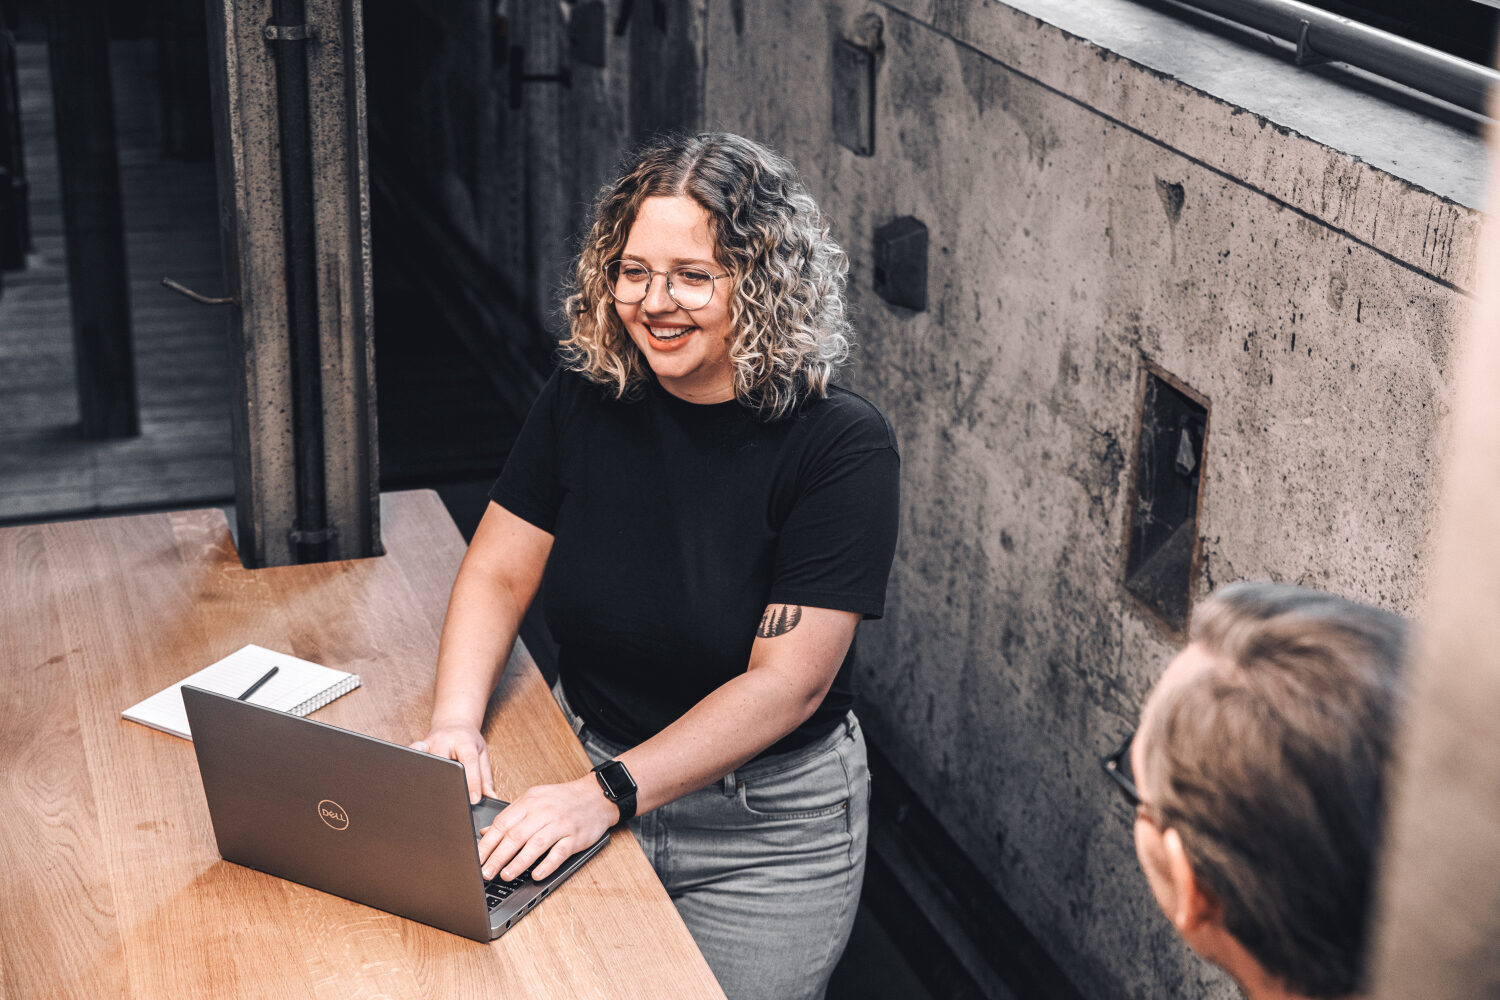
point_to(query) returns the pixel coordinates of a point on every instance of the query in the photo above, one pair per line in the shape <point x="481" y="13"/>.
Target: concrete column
<point x="306" y="459"/>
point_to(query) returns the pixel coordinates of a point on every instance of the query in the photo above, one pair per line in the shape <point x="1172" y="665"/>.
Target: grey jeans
<point x="765" y="864"/>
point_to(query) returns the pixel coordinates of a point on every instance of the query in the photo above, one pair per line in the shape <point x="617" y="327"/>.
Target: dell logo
<point x="333" y="815"/>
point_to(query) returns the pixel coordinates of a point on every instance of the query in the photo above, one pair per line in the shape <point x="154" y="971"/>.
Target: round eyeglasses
<point x="689" y="285"/>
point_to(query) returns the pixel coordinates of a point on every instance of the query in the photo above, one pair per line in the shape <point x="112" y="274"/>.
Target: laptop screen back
<point x="368" y="820"/>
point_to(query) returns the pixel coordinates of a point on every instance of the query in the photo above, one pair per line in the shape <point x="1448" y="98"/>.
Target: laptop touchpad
<point x="484" y="812"/>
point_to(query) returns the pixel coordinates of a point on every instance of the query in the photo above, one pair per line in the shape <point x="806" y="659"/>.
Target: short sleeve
<point x="530" y="484"/>
<point x="837" y="544"/>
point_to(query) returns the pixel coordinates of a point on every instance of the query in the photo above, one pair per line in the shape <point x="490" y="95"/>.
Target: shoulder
<point x="570" y="392"/>
<point x="568" y="384"/>
<point x="848" y="419"/>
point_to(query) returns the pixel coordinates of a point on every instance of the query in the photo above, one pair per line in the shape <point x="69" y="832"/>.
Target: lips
<point x="668" y="337"/>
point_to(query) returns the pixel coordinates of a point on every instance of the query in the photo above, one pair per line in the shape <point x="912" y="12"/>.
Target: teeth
<point x="670" y="334"/>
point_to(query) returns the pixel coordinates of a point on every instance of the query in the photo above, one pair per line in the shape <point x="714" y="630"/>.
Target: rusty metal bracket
<point x="291" y="33"/>
<point x="320" y="537"/>
<point x="199" y="297"/>
<point x="1306" y="54"/>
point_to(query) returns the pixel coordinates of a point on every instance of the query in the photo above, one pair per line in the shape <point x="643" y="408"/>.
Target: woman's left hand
<point x="546" y="822"/>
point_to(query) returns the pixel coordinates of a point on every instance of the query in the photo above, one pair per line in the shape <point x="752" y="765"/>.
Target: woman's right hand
<point x="466" y="745"/>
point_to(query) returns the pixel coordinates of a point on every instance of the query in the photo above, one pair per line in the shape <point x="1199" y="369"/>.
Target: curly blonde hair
<point x="787" y="273"/>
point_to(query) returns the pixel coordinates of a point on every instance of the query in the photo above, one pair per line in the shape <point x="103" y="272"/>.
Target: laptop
<point x="375" y="822"/>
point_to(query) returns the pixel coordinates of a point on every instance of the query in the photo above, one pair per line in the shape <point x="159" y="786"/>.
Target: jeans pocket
<point x="813" y="790"/>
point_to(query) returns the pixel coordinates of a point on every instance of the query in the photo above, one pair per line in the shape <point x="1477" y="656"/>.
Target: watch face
<point x="616" y="779"/>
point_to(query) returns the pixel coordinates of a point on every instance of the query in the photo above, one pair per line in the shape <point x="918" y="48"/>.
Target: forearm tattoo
<point x="779" y="619"/>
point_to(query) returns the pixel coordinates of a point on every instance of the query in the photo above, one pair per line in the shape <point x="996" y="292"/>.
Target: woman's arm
<point x="793" y="661"/>
<point x="791" y="669"/>
<point x="496" y="582"/>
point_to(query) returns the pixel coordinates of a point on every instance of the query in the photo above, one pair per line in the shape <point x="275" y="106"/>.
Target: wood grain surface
<point x="110" y="881"/>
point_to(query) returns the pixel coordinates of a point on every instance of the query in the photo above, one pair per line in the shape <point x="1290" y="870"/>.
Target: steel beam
<point x="1320" y="35"/>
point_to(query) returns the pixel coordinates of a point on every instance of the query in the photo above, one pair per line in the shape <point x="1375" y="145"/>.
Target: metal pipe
<point x="289" y="39"/>
<point x="1317" y="32"/>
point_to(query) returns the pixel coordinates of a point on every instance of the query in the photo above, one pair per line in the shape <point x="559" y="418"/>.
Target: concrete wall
<point x="1308" y="295"/>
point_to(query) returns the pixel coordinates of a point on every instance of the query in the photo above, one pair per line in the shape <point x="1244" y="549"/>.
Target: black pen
<point x="256" y="686"/>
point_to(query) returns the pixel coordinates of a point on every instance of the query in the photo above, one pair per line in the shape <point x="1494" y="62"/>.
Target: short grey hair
<point x="1270" y="763"/>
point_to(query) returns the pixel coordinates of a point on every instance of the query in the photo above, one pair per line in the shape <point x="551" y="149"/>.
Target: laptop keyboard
<point x="496" y="889"/>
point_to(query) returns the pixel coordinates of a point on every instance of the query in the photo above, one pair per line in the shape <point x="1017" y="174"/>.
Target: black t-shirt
<point x="676" y="523"/>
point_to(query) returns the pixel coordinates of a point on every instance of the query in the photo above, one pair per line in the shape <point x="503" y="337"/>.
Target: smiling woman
<point x="681" y="328"/>
<point x="714" y="519"/>
<point x="716" y="200"/>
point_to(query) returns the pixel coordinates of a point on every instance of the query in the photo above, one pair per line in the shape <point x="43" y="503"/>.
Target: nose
<point x="657" y="300"/>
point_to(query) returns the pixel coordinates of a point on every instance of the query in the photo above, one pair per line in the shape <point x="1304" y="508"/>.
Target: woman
<point x="715" y="519"/>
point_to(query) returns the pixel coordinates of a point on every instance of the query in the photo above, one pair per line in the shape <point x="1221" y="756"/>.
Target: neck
<point x="1225" y="951"/>
<point x="1258" y="985"/>
<point x="702" y="395"/>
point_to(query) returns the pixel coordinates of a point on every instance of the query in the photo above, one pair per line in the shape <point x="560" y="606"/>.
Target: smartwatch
<point x="618" y="786"/>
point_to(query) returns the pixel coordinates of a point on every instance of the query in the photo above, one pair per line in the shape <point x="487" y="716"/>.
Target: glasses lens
<point x="627" y="280"/>
<point x="691" y="287"/>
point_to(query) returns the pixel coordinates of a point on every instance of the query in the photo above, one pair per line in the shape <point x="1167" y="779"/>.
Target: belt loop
<point x="728" y="784"/>
<point x="575" y="721"/>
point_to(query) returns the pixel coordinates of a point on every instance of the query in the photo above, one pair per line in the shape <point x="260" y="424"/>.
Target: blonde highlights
<point x="786" y="273"/>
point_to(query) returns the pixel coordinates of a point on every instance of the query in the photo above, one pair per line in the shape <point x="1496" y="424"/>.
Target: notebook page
<point x="297" y="684"/>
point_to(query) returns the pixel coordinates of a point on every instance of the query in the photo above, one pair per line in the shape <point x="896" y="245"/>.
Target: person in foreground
<point x="1257" y="775"/>
<point x="714" y="518"/>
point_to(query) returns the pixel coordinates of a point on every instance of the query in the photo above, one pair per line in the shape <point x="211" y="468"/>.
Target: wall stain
<point x="951" y="16"/>
<point x="1172" y="197"/>
<point x="1039" y="141"/>
<point x="1067" y="368"/>
<point x="1098" y="472"/>
<point x="987" y="81"/>
<point x="1337" y="285"/>
<point x="964" y="401"/>
<point x="1341" y="187"/>
<point x="1439" y="339"/>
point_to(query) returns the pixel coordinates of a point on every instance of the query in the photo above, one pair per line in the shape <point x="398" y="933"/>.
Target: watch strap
<point x="624" y="802"/>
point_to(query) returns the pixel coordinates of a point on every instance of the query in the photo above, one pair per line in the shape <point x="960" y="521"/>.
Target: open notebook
<point x="298" y="687"/>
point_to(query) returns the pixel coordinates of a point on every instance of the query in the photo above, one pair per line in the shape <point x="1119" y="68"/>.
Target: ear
<point x="1194" y="907"/>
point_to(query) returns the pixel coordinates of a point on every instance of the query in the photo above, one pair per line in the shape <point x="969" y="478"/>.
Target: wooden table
<point x="110" y="882"/>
